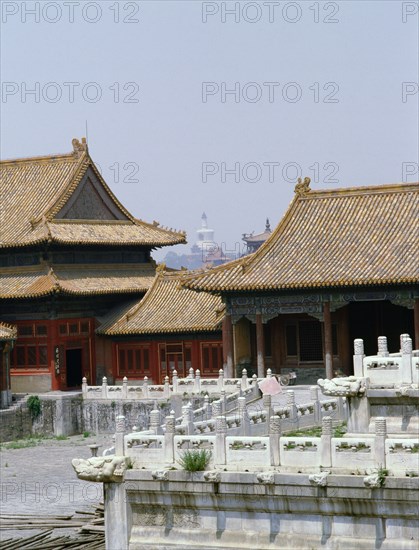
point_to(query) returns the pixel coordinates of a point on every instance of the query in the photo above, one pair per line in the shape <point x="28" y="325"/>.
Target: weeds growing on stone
<point x="195" y="460"/>
<point x="382" y="473"/>
<point x="22" y="443"/>
<point x="34" y="406"/>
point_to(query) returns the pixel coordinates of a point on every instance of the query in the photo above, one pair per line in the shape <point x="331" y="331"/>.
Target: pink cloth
<point x="270" y="386"/>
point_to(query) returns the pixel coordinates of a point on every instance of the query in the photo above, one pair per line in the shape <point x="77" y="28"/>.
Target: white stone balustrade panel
<point x="382" y="370"/>
<point x="144" y="449"/>
<point x="135" y="392"/>
<point x="205" y="426"/>
<point x="353" y="453"/>
<point x="248" y="451"/>
<point x="298" y="452"/>
<point x="93" y="392"/>
<point x="305" y="415"/>
<point x="402" y="455"/>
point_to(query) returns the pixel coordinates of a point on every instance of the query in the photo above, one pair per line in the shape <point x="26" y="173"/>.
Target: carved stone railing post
<point x="84" y="386"/>
<point x="358" y="357"/>
<point x="216" y="409"/>
<point x="191" y="373"/>
<point x="403" y="337"/>
<point x="326" y="442"/>
<point x="166" y="388"/>
<point x="314" y="397"/>
<point x="220" y="440"/>
<point x="255" y="386"/>
<point x="175" y="381"/>
<point x="207" y="407"/>
<point x="267" y="405"/>
<point x="274" y="435"/>
<point x="244" y="379"/>
<point x="197" y="384"/>
<point x="124" y="387"/>
<point x="382" y="346"/>
<point x="146" y="393"/>
<point x="220" y="379"/>
<point x="119" y="435"/>
<point x="407" y="363"/>
<point x="269" y="373"/>
<point x="187" y="419"/>
<point x="244" y="419"/>
<point x="155" y="421"/>
<point x="223" y="400"/>
<point x="104" y="387"/>
<point x="292" y="407"/>
<point x="169" y="447"/>
<point x="380" y="441"/>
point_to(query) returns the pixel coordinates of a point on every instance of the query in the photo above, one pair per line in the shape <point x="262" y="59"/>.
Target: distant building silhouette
<point x="253" y="242"/>
<point x="205" y="252"/>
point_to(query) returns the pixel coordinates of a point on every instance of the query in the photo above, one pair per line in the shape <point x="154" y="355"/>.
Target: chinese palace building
<point x="253" y="242"/>
<point x="342" y="264"/>
<point x="69" y="253"/>
<point x="171" y="328"/>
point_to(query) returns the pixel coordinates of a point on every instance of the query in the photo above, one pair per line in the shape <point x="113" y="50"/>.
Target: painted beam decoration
<point x="248" y="305"/>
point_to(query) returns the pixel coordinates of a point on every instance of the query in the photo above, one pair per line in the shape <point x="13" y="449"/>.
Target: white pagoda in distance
<point x="205" y="241"/>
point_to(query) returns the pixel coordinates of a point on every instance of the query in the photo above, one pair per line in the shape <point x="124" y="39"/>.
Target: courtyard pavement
<point x="41" y="480"/>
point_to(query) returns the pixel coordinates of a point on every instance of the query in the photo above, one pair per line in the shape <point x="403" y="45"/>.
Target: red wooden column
<point x="416" y="316"/>
<point x="260" y="346"/>
<point x="328" y="345"/>
<point x="228" y="347"/>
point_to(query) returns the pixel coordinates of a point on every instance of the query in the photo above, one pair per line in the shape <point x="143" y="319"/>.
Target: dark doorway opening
<point x="74" y="367"/>
<point x="369" y="320"/>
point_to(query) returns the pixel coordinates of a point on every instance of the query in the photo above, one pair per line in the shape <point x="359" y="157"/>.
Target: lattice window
<point x="134" y="360"/>
<point x="310" y="340"/>
<point x="211" y="357"/>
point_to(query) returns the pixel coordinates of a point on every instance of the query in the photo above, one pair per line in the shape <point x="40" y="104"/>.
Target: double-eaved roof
<point x="166" y="308"/>
<point x="43" y="280"/>
<point x="331" y="238"/>
<point x="64" y="199"/>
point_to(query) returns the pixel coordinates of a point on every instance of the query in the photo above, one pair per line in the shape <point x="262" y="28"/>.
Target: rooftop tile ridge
<point x="41" y="158"/>
<point x="64" y="221"/>
<point x="106" y="267"/>
<point x="271" y="240"/>
<point x="156" y="225"/>
<point x="387" y="188"/>
<point x="147" y="296"/>
<point x="55" y="281"/>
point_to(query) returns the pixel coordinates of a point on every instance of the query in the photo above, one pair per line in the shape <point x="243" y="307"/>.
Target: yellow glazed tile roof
<point x="167" y="307"/>
<point x="337" y="238"/>
<point x="34" y="190"/>
<point x="7" y="332"/>
<point x="37" y="281"/>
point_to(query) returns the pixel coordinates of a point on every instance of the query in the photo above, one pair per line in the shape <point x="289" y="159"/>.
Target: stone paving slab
<point x="41" y="480"/>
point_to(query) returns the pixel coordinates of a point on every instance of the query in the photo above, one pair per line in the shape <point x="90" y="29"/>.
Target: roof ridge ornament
<point x="302" y="187"/>
<point x="79" y="148"/>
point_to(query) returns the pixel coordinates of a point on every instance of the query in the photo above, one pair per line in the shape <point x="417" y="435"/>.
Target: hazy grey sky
<point x="324" y="89"/>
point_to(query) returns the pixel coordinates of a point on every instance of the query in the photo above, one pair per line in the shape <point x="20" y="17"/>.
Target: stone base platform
<point x="205" y="510"/>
